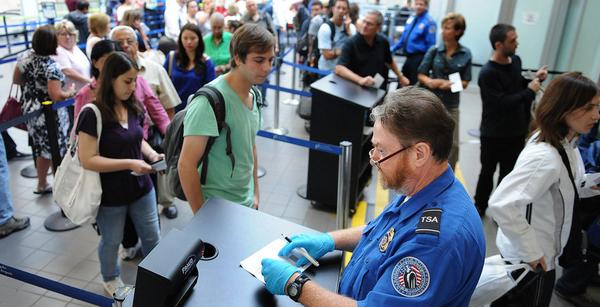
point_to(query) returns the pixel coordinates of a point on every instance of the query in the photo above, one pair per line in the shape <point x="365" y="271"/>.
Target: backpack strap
<point x="217" y="103"/>
<point x="332" y="27"/>
<point x="258" y="96"/>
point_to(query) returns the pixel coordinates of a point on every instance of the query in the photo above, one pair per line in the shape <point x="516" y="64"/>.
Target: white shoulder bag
<point x="78" y="191"/>
<point x="496" y="280"/>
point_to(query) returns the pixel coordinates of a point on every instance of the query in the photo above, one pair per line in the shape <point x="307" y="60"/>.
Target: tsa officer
<point x="418" y="36"/>
<point x="427" y="247"/>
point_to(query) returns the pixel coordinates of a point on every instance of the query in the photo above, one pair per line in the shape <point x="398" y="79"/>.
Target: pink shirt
<point x="153" y="109"/>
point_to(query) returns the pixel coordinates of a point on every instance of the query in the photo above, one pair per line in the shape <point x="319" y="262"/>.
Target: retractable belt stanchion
<point x="293" y="101"/>
<point x="343" y="188"/>
<point x="56" y="221"/>
<point x="276" y="129"/>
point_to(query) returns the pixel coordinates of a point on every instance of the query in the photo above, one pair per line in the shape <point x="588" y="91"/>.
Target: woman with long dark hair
<point x="534" y="204"/>
<point x="120" y="158"/>
<point x="188" y="67"/>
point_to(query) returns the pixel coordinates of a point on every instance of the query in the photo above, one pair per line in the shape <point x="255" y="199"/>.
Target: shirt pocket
<point x="368" y="276"/>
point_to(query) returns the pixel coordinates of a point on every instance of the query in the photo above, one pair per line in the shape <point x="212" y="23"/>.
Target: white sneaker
<point x="128" y="253"/>
<point x="112" y="285"/>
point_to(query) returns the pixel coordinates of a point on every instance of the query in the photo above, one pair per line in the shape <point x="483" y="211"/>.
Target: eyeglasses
<point x="129" y="41"/>
<point x="378" y="162"/>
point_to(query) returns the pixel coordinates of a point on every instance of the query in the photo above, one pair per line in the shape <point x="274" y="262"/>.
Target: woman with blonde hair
<point x="99" y="26"/>
<point x="71" y="60"/>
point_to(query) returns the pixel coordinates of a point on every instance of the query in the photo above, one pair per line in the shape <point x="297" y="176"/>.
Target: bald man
<point x="216" y="44"/>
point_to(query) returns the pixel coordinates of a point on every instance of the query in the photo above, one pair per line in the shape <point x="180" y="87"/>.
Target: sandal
<point x="45" y="190"/>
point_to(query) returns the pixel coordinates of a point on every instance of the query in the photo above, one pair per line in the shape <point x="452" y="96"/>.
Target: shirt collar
<point x="442" y="48"/>
<point x="141" y="62"/>
<point x="425" y="196"/>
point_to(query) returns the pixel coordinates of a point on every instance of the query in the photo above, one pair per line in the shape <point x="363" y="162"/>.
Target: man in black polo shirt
<point x="367" y="54"/>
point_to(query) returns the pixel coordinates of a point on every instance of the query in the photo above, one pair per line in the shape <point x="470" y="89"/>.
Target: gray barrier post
<point x="293" y="101"/>
<point x="343" y="189"/>
<point x="276" y="129"/>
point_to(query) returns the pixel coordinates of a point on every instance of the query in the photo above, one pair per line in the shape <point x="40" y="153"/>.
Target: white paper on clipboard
<point x="253" y="265"/>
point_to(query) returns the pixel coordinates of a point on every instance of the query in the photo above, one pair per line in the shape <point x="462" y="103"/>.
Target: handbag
<point x="78" y="191"/>
<point x="496" y="280"/>
<point x="12" y="109"/>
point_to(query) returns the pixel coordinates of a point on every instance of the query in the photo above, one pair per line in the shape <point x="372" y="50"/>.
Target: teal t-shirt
<point x="219" y="54"/>
<point x="244" y="124"/>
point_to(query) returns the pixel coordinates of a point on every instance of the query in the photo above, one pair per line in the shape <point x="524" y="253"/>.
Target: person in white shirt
<point x="175" y="17"/>
<point x="71" y="60"/>
<point x="153" y="73"/>
<point x="533" y="205"/>
<point x="124" y="7"/>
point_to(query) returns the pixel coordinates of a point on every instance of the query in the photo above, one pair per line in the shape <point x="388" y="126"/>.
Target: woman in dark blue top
<point x="188" y="67"/>
<point x="119" y="158"/>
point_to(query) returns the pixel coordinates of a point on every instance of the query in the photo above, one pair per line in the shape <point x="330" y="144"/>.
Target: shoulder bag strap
<point x="565" y="160"/>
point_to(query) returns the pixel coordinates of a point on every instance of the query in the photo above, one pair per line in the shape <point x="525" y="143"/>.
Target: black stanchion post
<point x="56" y="221"/>
<point x="50" y="116"/>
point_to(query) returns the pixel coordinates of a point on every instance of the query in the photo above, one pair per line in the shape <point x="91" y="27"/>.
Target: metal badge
<point x="386" y="239"/>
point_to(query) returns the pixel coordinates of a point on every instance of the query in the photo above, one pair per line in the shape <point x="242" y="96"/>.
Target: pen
<point x="304" y="253"/>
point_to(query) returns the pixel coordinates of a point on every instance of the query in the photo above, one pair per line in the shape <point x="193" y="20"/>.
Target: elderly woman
<point x="41" y="80"/>
<point x="98" y="24"/>
<point x="442" y="61"/>
<point x="71" y="60"/>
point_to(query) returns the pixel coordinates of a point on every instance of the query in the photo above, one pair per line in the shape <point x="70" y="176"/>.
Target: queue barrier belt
<point x="308" y="68"/>
<point x="327" y="148"/>
<point x="55" y="286"/>
<point x="287" y="90"/>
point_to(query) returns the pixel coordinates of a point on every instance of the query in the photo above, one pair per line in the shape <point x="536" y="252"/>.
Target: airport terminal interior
<point x="71" y="257"/>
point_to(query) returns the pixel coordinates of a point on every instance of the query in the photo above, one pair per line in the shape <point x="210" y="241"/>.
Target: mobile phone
<point x="159" y="165"/>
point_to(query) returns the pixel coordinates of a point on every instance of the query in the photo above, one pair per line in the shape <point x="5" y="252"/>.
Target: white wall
<point x="480" y="17"/>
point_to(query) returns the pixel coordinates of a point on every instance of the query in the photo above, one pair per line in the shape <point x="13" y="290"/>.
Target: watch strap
<point x="298" y="283"/>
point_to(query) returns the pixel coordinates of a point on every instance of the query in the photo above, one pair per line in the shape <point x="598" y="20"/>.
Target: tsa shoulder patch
<point x="429" y="222"/>
<point x="410" y="277"/>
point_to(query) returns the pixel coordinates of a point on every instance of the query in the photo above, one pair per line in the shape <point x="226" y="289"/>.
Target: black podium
<point x="237" y="232"/>
<point x="340" y="110"/>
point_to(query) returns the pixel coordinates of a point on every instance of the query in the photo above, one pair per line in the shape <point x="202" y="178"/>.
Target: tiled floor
<point x="71" y="257"/>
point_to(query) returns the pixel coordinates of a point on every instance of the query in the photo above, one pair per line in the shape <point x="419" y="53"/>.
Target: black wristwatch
<point x="294" y="289"/>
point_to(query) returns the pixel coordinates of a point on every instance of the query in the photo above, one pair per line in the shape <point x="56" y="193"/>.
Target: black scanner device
<point x="168" y="274"/>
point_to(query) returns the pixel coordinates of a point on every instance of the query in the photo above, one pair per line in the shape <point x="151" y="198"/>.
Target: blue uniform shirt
<point x="427" y="251"/>
<point x="418" y="35"/>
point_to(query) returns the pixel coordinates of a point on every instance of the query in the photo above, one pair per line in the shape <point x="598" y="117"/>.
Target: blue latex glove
<point x="315" y="245"/>
<point x="276" y="274"/>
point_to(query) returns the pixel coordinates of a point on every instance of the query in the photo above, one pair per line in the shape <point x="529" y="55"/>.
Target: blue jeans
<point x="111" y="221"/>
<point x="6" y="205"/>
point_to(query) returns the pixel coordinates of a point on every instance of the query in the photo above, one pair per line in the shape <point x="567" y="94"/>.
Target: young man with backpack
<point x="231" y="172"/>
<point x="333" y="33"/>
